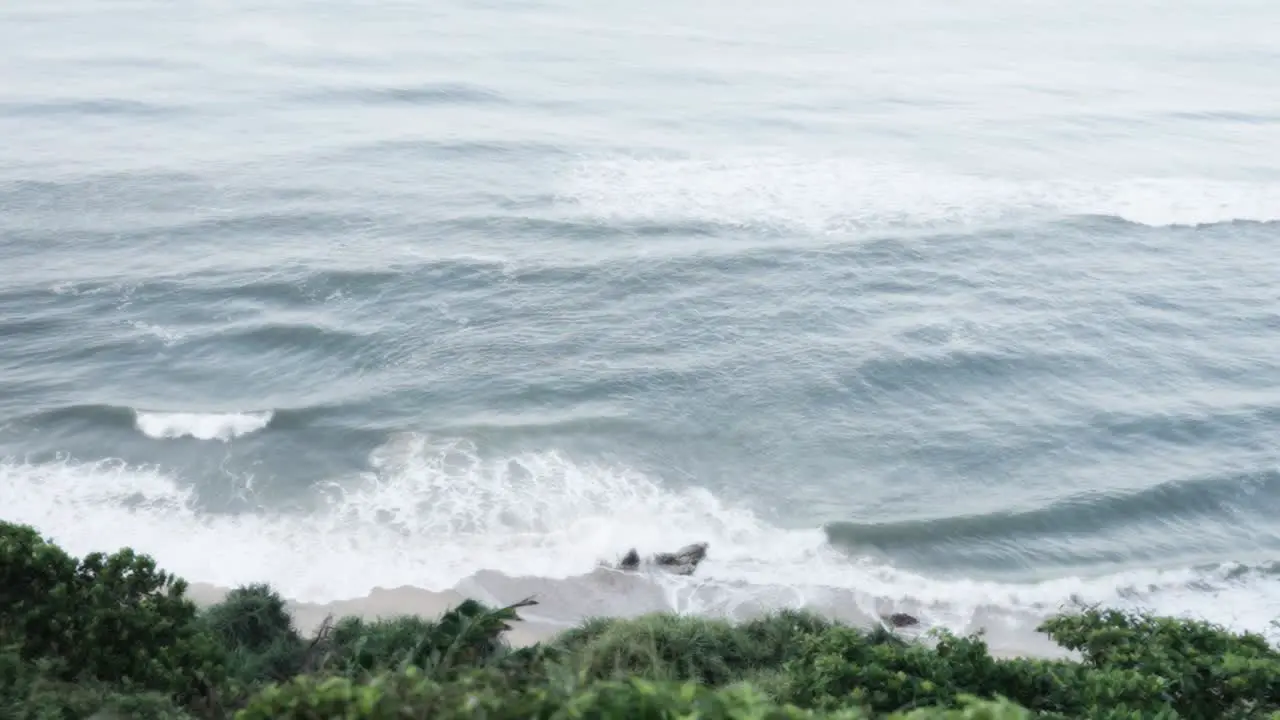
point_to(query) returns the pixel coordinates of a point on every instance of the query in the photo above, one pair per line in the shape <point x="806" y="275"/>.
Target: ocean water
<point x="970" y="311"/>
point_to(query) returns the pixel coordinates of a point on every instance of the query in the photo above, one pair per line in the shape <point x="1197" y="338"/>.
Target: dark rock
<point x="687" y="555"/>
<point x="900" y="620"/>
<point x="681" y="562"/>
<point x="630" y="561"/>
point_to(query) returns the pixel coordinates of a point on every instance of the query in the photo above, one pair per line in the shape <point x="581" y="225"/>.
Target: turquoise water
<point x="971" y="311"/>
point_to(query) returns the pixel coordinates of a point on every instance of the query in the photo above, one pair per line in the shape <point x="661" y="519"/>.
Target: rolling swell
<point x="419" y="149"/>
<point x="428" y="94"/>
<point x="280" y="334"/>
<point x="88" y="107"/>
<point x="963" y="368"/>
<point x="1173" y="507"/>
<point x="582" y="229"/>
<point x="102" y="417"/>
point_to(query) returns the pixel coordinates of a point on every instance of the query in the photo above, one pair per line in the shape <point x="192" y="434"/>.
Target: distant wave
<point x="437" y="514"/>
<point x="424" y="94"/>
<point x="1168" y="504"/>
<point x="80" y="106"/>
<point x="175" y="424"/>
<point x="849" y="195"/>
<point x="201" y="426"/>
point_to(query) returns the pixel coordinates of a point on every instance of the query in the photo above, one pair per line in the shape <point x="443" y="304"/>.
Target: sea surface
<point x="968" y="309"/>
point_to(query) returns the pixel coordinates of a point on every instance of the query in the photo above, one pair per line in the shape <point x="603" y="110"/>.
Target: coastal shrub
<point x="253" y="625"/>
<point x="1063" y="689"/>
<point x="252" y="617"/>
<point x="412" y="695"/>
<point x="662" y="647"/>
<point x="29" y="691"/>
<point x="110" y="618"/>
<point x="1206" y="670"/>
<point x="673" y="647"/>
<point x="845" y="666"/>
<point x="468" y="635"/>
<point x="360" y="647"/>
<point x="408" y="693"/>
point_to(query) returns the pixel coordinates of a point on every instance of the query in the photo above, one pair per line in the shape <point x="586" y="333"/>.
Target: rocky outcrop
<point x="630" y="561"/>
<point x="901" y="620"/>
<point x="681" y="562"/>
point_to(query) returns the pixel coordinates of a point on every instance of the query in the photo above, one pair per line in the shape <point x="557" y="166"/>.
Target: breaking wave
<point x="848" y="195"/>
<point x="201" y="426"/>
<point x="437" y="514"/>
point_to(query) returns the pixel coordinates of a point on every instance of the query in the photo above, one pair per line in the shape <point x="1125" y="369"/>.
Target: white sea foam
<point x="167" y="335"/>
<point x="433" y="514"/>
<point x="835" y="195"/>
<point x="201" y="426"/>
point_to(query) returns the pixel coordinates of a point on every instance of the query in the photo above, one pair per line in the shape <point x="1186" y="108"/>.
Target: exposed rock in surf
<point x="630" y="561"/>
<point x="681" y="562"/>
<point x="901" y="620"/>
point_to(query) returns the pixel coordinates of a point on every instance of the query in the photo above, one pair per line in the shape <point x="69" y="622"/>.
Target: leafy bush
<point x="254" y="626"/>
<point x="668" y="647"/>
<point x="467" y="636"/>
<point x="405" y="694"/>
<point x="29" y="691"/>
<point x="253" y="617"/>
<point x="1205" y="670"/>
<point x="110" y="618"/>
<point x="411" y="694"/>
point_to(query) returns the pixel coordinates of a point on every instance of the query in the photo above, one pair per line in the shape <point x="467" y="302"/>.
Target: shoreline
<point x="386" y="603"/>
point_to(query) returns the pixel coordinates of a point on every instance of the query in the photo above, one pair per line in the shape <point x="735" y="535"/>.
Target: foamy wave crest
<point x="440" y="515"/>
<point x="1163" y="202"/>
<point x="844" y="195"/>
<point x="201" y="426"/>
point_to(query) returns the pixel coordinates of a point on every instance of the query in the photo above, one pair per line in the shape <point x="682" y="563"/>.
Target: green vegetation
<point x="111" y="636"/>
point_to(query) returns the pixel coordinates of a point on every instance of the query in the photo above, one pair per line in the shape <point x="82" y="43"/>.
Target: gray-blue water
<point x="970" y="308"/>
